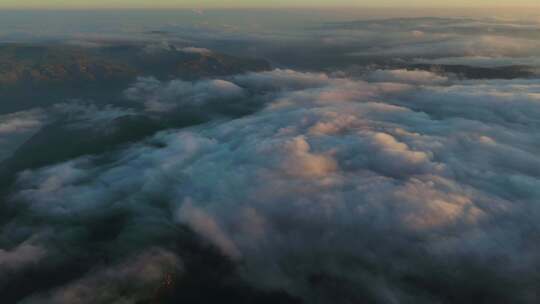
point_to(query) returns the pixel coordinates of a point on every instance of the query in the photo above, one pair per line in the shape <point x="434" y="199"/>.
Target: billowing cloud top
<point x="409" y="187"/>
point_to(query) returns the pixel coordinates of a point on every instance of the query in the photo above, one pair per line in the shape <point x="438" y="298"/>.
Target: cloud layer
<point x="409" y="187"/>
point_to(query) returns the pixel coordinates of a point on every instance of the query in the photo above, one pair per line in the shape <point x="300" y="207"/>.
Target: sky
<point x="224" y="156"/>
<point x="82" y="4"/>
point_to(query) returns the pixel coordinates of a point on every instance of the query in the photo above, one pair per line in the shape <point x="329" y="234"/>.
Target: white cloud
<point x="459" y="46"/>
<point x="21" y="122"/>
<point x="163" y="97"/>
<point x="195" y="50"/>
<point x="356" y="182"/>
<point x="135" y="279"/>
<point x="16" y="128"/>
<point x="281" y="79"/>
<point x="207" y="227"/>
<point x="417" y="77"/>
<point x="483" y="61"/>
<point x="22" y="256"/>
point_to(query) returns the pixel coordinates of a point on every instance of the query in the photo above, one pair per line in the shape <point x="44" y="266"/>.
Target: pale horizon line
<point x="210" y="8"/>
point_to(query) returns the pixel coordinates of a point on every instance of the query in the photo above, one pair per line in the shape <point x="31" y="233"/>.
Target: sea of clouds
<point x="370" y="182"/>
<point x="403" y="186"/>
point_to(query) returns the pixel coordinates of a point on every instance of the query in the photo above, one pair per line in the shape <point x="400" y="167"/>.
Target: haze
<point x="105" y="4"/>
<point x="251" y="152"/>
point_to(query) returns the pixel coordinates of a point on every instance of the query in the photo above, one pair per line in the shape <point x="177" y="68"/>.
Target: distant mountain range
<point x="33" y="75"/>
